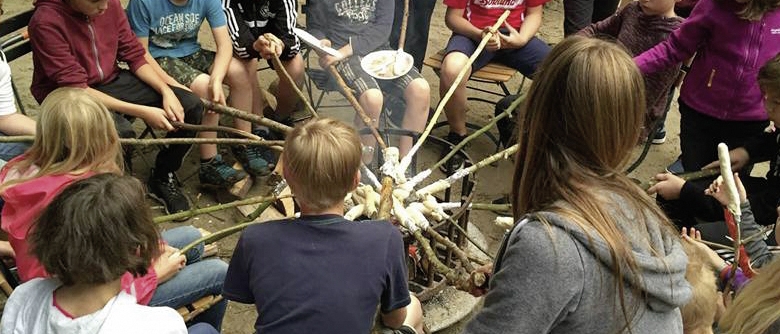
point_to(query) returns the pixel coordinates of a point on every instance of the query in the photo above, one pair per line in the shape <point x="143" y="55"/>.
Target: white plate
<point x="380" y="64"/>
<point x="315" y="43"/>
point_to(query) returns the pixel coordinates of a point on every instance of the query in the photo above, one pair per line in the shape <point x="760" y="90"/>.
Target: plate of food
<point x="387" y="64"/>
<point x="312" y="41"/>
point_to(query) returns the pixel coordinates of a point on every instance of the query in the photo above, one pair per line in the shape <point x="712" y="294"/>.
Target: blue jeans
<point x="196" y="280"/>
<point x="9" y="151"/>
<point x="201" y="328"/>
<point x="524" y="60"/>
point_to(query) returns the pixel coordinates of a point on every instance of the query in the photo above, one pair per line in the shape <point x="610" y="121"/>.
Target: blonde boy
<point x="321" y="273"/>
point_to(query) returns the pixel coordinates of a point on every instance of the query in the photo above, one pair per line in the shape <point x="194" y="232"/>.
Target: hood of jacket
<point x="660" y="259"/>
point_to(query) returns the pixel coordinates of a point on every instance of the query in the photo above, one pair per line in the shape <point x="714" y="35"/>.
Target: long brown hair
<point x="583" y="115"/>
<point x="75" y="134"/>
<point x="755" y="9"/>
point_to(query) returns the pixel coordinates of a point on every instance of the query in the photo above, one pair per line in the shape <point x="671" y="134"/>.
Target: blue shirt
<point x="173" y="30"/>
<point x="318" y="274"/>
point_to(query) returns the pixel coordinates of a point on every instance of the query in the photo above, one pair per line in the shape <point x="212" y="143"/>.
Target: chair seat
<point x="491" y="72"/>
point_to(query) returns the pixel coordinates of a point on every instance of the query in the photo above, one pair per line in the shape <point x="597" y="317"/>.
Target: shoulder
<point x="33" y="292"/>
<point x="544" y="243"/>
<point x="160" y="319"/>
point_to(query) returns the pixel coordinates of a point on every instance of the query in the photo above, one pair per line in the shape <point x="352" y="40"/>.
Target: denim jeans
<point x="201" y="328"/>
<point x="9" y="151"/>
<point x="196" y="280"/>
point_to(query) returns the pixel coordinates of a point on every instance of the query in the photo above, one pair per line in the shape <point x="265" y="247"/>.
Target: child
<point x="75" y="139"/>
<point x="169" y="30"/>
<point x="605" y="258"/>
<point x="516" y="47"/>
<point x="88" y="257"/>
<point x="77" y="43"/>
<point x="12" y="123"/>
<point x="357" y="266"/>
<point x="755" y="310"/>
<point x="685" y="202"/>
<point x="719" y="98"/>
<point x="639" y="26"/>
<point x="357" y="28"/>
<point x="248" y="22"/>
<point x="699" y="313"/>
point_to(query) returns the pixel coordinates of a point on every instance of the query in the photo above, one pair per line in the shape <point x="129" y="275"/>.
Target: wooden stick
<point x="460" y="280"/>
<point x="355" y="104"/>
<point x="459" y="253"/>
<point x="282" y="73"/>
<point x="214" y="208"/>
<point x="467" y="67"/>
<point x="215" y="128"/>
<point x="690" y="176"/>
<point x="386" y="198"/>
<point x="404" y="21"/>
<point x="218" y="108"/>
<point x="477" y="133"/>
<point x="175" y="141"/>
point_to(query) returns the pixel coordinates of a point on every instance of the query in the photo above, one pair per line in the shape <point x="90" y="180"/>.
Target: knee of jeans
<point x="213" y="272"/>
<point x="181" y="236"/>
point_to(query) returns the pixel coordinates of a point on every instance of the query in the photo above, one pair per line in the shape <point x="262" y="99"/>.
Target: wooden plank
<point x="492" y="71"/>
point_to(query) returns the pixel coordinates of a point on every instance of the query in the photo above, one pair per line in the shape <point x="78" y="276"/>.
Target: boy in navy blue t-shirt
<point x="322" y="273"/>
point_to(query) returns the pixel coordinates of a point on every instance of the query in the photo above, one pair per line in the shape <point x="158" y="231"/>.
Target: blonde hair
<point x="75" y="134"/>
<point x="755" y="308"/>
<point x="323" y="158"/>
<point x="769" y="76"/>
<point x="700" y="310"/>
<point x="583" y="115"/>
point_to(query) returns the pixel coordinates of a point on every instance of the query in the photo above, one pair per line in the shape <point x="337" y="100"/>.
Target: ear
<point x="356" y="181"/>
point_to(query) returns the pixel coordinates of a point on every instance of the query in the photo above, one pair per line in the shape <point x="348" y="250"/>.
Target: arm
<point x="756" y="248"/>
<point x="170" y="103"/>
<point x="378" y="31"/>
<point x="762" y="147"/>
<point x="458" y="24"/>
<point x="236" y="286"/>
<point x="156" y="66"/>
<point x="11" y="122"/>
<point x="514" y="287"/>
<point x="51" y="47"/>
<point x="609" y="26"/>
<point x="155" y="117"/>
<point x="518" y="39"/>
<point x="395" y="297"/>
<point x="285" y="21"/>
<point x="221" y="62"/>
<point x="17" y="124"/>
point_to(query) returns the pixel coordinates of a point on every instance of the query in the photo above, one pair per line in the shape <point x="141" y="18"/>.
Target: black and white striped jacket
<point x="248" y="19"/>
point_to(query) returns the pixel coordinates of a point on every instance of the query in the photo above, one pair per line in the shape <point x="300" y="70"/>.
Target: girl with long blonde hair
<point x="755" y="310"/>
<point x="75" y="139"/>
<point x="591" y="253"/>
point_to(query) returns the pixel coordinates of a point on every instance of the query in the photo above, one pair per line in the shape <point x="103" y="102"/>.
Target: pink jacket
<point x="24" y="202"/>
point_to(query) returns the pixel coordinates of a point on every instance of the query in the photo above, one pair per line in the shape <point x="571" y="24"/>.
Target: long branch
<point x="466" y="67"/>
<point x="214" y="208"/>
<point x="281" y="71"/>
<point x="214" y="128"/>
<point x="451" y="246"/>
<point x="218" y="108"/>
<point x="460" y="280"/>
<point x="355" y="104"/>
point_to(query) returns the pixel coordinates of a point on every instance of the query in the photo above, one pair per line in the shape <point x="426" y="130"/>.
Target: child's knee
<point x="452" y="65"/>
<point x="418" y="89"/>
<point x="372" y="99"/>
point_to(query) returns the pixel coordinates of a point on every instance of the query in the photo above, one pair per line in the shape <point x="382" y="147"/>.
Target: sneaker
<point x="659" y="137"/>
<point x="167" y="190"/>
<point x="455" y="162"/>
<point x="217" y="173"/>
<point x="257" y="160"/>
<point x="676" y="167"/>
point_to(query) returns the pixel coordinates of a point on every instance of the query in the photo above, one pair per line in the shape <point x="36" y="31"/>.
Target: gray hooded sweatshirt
<point x="556" y="279"/>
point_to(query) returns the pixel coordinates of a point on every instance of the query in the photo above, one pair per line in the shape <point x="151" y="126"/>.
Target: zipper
<point x="95" y="50"/>
<point x="712" y="76"/>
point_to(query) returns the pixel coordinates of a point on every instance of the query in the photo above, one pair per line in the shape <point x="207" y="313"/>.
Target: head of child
<point x="89" y="8"/>
<point x="699" y="313"/>
<point x="95" y="230"/>
<point x="322" y="164"/>
<point x="755" y="309"/>
<point x="663" y="8"/>
<point x="75" y="134"/>
<point x="753" y="10"/>
<point x="769" y="82"/>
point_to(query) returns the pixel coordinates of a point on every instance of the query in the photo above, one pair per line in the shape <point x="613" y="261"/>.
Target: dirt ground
<point x="491" y="182"/>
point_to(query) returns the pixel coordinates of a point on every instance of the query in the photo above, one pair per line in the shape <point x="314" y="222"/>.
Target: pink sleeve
<point x="456" y="3"/>
<point x="534" y="3"/>
<point x="141" y="287"/>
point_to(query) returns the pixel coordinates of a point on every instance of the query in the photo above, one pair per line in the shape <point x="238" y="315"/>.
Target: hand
<point x="157" y="119"/>
<point x="217" y="92"/>
<point x="693" y="238"/>
<point x="325" y="59"/>
<point x="268" y="46"/>
<point x="494" y="43"/>
<point x="719" y="192"/>
<point x="668" y="186"/>
<point x="514" y="40"/>
<point x="6" y="250"/>
<point x="739" y="158"/>
<point x="168" y="264"/>
<point x="481" y="290"/>
<point x="173" y="109"/>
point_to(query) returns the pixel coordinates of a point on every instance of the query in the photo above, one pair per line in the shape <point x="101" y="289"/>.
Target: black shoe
<point x="458" y="160"/>
<point x="167" y="190"/>
<point x="216" y="173"/>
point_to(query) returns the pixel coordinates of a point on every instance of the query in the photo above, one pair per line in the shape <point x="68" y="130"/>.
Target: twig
<point x="758" y="235"/>
<point x="386" y="198"/>
<point x="689" y="176"/>
<point x="466" y="67"/>
<point x="174" y="141"/>
<point x="199" y="211"/>
<point x="213" y="128"/>
<point x="716" y="245"/>
<point x="459" y="279"/>
<point x="451" y="246"/>
<point x="218" y="108"/>
<point x="468" y="237"/>
<point x="404" y="20"/>
<point x="282" y="73"/>
<point x="355" y="104"/>
<point x="477" y="133"/>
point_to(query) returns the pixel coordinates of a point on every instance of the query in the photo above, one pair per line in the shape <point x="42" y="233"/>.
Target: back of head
<point x="755" y="309"/>
<point x="321" y="160"/>
<point x="699" y="313"/>
<point x="753" y="10"/>
<point x="95" y="230"/>
<point x="769" y="76"/>
<point x="75" y="133"/>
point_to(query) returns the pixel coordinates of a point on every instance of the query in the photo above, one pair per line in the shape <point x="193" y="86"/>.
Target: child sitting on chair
<point x="639" y="26"/>
<point x="91" y="234"/>
<point x="169" y="30"/>
<point x="515" y="47"/>
<point x="356" y="29"/>
<point x="357" y="266"/>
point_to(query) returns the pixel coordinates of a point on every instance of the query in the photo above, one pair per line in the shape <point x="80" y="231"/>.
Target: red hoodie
<point x="25" y="201"/>
<point x="70" y="49"/>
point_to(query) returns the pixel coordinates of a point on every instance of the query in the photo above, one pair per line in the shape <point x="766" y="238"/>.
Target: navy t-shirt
<point x="318" y="274"/>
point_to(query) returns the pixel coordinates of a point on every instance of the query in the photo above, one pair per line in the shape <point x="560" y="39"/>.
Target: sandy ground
<point x="491" y="182"/>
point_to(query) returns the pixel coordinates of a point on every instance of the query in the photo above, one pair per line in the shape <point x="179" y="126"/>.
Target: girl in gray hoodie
<point x="591" y="253"/>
